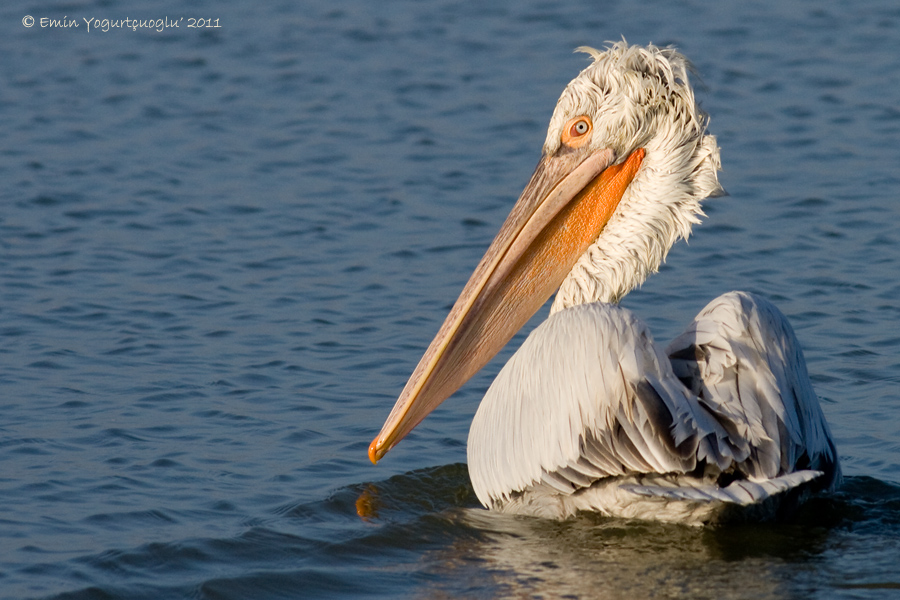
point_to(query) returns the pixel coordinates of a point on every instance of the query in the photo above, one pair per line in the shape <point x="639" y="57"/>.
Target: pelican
<point x="590" y="414"/>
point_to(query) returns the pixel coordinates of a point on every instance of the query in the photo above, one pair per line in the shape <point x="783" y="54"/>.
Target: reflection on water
<point x="593" y="557"/>
<point x="589" y="556"/>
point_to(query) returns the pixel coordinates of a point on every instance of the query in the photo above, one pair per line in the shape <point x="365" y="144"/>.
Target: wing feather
<point x="589" y="396"/>
<point x="742" y="359"/>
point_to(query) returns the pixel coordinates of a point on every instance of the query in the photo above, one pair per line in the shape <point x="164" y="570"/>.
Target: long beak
<point x="559" y="215"/>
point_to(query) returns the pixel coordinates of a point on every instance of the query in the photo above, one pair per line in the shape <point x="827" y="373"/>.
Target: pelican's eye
<point x="576" y="132"/>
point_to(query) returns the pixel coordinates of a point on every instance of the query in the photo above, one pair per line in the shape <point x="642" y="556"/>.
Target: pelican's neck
<point x="659" y="207"/>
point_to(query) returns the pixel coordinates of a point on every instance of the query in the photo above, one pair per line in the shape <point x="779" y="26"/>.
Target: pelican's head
<point x="624" y="167"/>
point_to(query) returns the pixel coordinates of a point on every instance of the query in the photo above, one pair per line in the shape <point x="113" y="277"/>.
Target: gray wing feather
<point x="741" y="358"/>
<point x="589" y="396"/>
<point x="741" y="492"/>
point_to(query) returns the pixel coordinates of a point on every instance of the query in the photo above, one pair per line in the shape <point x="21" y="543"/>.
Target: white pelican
<point x="590" y="414"/>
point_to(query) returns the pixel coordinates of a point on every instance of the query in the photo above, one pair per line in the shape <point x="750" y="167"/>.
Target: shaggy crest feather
<point x="639" y="97"/>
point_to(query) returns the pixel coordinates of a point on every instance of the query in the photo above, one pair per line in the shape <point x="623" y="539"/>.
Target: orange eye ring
<point x="577" y="131"/>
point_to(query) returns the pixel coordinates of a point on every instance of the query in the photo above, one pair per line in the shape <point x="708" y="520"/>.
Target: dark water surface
<point x="223" y="250"/>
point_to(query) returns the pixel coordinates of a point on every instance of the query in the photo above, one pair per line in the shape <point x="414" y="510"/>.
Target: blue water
<point x="223" y="250"/>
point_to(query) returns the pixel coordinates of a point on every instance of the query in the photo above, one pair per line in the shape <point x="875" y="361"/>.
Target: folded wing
<point x="589" y="397"/>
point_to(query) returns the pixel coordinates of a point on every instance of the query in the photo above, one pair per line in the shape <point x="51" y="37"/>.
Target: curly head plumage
<point x="638" y="97"/>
